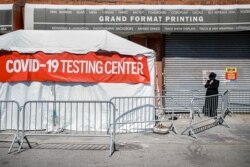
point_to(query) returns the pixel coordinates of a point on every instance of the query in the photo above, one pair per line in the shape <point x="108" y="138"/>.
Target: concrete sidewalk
<point x="215" y="147"/>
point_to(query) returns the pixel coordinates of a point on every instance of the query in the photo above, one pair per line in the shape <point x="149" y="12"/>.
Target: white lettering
<point x="76" y="66"/>
<point x="108" y="67"/>
<point x="115" y="67"/>
<point x="113" y="19"/>
<point x="35" y="65"/>
<point x="184" y="19"/>
<point x="29" y="65"/>
<point x="9" y="68"/>
<point x="146" y="19"/>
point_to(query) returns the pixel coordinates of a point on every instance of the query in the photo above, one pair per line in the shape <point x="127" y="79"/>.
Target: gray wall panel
<point x="190" y="57"/>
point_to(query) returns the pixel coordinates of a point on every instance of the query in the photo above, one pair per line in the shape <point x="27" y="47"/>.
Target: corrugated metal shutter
<point x="189" y="57"/>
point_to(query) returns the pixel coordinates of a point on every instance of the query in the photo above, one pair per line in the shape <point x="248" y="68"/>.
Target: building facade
<point x="191" y="38"/>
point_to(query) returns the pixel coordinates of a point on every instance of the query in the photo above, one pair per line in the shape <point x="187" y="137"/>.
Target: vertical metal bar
<point x="95" y="121"/>
<point x="41" y="116"/>
<point x="24" y="110"/>
<point x="107" y="116"/>
<point x="18" y="109"/>
<point x="11" y="124"/>
<point x="101" y="110"/>
<point x="59" y="115"/>
<point x="88" y="117"/>
<point x="138" y="111"/>
<point x="212" y="112"/>
<point x="65" y="115"/>
<point x="6" y="112"/>
<point x="71" y="117"/>
<point x="153" y="118"/>
<point x="30" y="117"/>
<point x="125" y="108"/>
<point x="148" y="111"/>
<point x="47" y="122"/>
<point x="76" y="117"/>
<point x="135" y="104"/>
<point x="132" y="106"/>
<point x="120" y="110"/>
<point x="1" y="115"/>
<point x="53" y="114"/>
<point x="111" y="118"/>
<point x="36" y="118"/>
<point x="222" y="104"/>
<point x="114" y="126"/>
<point x="142" y="111"/>
<point x="207" y="106"/>
<point x="82" y="117"/>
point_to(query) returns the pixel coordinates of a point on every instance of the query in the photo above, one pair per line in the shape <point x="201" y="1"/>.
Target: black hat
<point x="212" y="75"/>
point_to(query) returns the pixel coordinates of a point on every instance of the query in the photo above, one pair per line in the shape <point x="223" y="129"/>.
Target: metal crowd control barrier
<point x="181" y="98"/>
<point x="239" y="100"/>
<point x="68" y="118"/>
<point x="140" y="114"/>
<point x="9" y="120"/>
<point x="209" y="108"/>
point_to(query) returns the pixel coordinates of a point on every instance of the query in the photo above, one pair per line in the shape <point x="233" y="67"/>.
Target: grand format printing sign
<point x="5" y="18"/>
<point x="143" y="18"/>
<point x="67" y="67"/>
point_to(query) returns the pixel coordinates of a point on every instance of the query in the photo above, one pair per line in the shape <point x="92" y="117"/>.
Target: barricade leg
<point x="220" y="120"/>
<point x="190" y="127"/>
<point x="27" y="141"/>
<point x="225" y="109"/>
<point x="112" y="148"/>
<point x="191" y="133"/>
<point x="15" y="140"/>
<point x="173" y="127"/>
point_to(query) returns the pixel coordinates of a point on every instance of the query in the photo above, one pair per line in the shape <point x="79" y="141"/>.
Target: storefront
<point x="6" y="23"/>
<point x="190" y="40"/>
<point x="190" y="57"/>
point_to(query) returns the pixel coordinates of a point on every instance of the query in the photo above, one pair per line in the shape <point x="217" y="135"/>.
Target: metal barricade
<point x="68" y="118"/>
<point x="239" y="100"/>
<point x="9" y="120"/>
<point x="141" y="114"/>
<point x="182" y="99"/>
<point x="212" y="108"/>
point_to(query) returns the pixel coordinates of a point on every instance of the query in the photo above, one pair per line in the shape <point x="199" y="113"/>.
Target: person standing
<point x="211" y="101"/>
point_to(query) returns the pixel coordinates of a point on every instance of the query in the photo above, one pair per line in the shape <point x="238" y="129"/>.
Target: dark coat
<point x="212" y="89"/>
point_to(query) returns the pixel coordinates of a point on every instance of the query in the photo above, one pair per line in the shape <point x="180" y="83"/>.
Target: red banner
<point x="67" y="67"/>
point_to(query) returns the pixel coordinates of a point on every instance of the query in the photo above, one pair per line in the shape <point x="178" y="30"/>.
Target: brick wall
<point x="153" y="41"/>
<point x="158" y="75"/>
